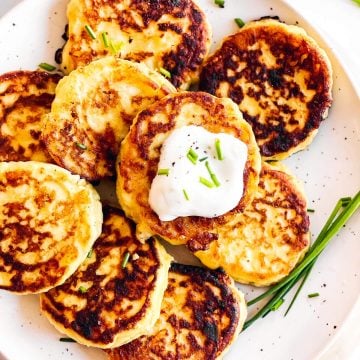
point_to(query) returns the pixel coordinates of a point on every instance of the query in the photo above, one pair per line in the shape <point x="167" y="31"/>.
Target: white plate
<point x="330" y="169"/>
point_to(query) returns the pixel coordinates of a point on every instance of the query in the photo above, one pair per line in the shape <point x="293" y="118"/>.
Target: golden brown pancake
<point x="264" y="243"/>
<point x="108" y="302"/>
<point x="93" y="110"/>
<point x="201" y="315"/>
<point x="280" y="78"/>
<point x="25" y="96"/>
<point x="49" y="220"/>
<point x="171" y="34"/>
<point x="140" y="152"/>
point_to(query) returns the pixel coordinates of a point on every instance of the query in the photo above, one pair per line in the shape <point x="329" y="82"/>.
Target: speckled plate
<point x="330" y="169"/>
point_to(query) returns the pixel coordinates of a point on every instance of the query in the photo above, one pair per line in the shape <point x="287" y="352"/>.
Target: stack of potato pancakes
<point x="103" y="275"/>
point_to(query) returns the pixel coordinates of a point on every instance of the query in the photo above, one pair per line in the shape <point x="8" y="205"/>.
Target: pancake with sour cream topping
<point x="138" y="163"/>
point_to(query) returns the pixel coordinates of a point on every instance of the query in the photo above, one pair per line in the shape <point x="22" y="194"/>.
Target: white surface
<point x="309" y="327"/>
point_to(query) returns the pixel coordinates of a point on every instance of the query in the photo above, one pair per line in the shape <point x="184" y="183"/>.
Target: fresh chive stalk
<point x="47" y="67"/>
<point x="220" y="3"/>
<point x="219" y="153"/>
<point x="115" y="47"/>
<point x="165" y="72"/>
<point x="186" y="195"/>
<point x="90" y="253"/>
<point x="90" y="31"/>
<point x="212" y="175"/>
<point x="81" y="146"/>
<point x="332" y="226"/>
<point x="310" y="210"/>
<point x="105" y="39"/>
<point x="206" y="182"/>
<point x="163" y="172"/>
<point x="239" y="22"/>
<point x="125" y="260"/>
<point x="203" y="159"/>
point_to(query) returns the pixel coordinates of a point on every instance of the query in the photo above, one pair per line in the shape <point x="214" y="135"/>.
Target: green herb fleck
<point x="204" y="158"/>
<point x="192" y="156"/>
<point x="47" y="67"/>
<point x="90" y="31"/>
<point x="81" y="146"/>
<point x="105" y="39"/>
<point x="82" y="289"/>
<point x="220" y="3"/>
<point x="125" y="260"/>
<point x="313" y="295"/>
<point x="357" y="2"/>
<point x="206" y="182"/>
<point x="186" y="195"/>
<point x="310" y="210"/>
<point x="90" y="253"/>
<point x="163" y="172"/>
<point x="165" y="72"/>
<point x="219" y="153"/>
<point x="67" y="339"/>
<point x="116" y="47"/>
<point x="239" y="22"/>
<point x="212" y="175"/>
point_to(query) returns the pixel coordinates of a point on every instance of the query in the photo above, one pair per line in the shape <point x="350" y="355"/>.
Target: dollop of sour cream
<point x="199" y="174"/>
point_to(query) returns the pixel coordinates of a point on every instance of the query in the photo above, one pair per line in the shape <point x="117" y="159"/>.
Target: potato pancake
<point x="201" y="315"/>
<point x="280" y="78"/>
<point x="173" y="35"/>
<point x="264" y="243"/>
<point x="25" y="96"/>
<point x="115" y="295"/>
<point x="140" y="152"/>
<point x="93" y="109"/>
<point x="49" y="220"/>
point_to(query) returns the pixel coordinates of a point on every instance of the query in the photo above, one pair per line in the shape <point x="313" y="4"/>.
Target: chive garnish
<point x="206" y="182"/>
<point x="90" y="31"/>
<point x="115" y="48"/>
<point x="81" y="146"/>
<point x="125" y="260"/>
<point x="220" y="3"/>
<point x="192" y="156"/>
<point x="186" y="195"/>
<point x="163" y="172"/>
<point x="357" y="2"/>
<point x="277" y="304"/>
<point x="333" y="225"/>
<point x="239" y="22"/>
<point x="313" y="295"/>
<point x="82" y="289"/>
<point x="165" y="73"/>
<point x="218" y="149"/>
<point x="212" y="175"/>
<point x="90" y="253"/>
<point x="310" y="210"/>
<point x="67" y="339"/>
<point x="203" y="159"/>
<point x="47" y="67"/>
<point x="105" y="39"/>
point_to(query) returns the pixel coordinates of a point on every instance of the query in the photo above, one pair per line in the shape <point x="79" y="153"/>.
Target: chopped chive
<point x="186" y="195"/>
<point x="115" y="48"/>
<point x="82" y="289"/>
<point x="204" y="158"/>
<point x="90" y="31"/>
<point x="212" y="175"/>
<point x="163" y="172"/>
<point x="220" y="3"/>
<point x="192" y="156"/>
<point x="277" y="304"/>
<point x="67" y="339"/>
<point x="165" y="72"/>
<point x="125" y="260"/>
<point x="90" y="253"/>
<point x="81" y="146"/>
<point x="218" y="149"/>
<point x="47" y="67"/>
<point x="313" y="295"/>
<point x="357" y="2"/>
<point x="310" y="210"/>
<point x="105" y="39"/>
<point x="206" y="182"/>
<point x="239" y="22"/>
